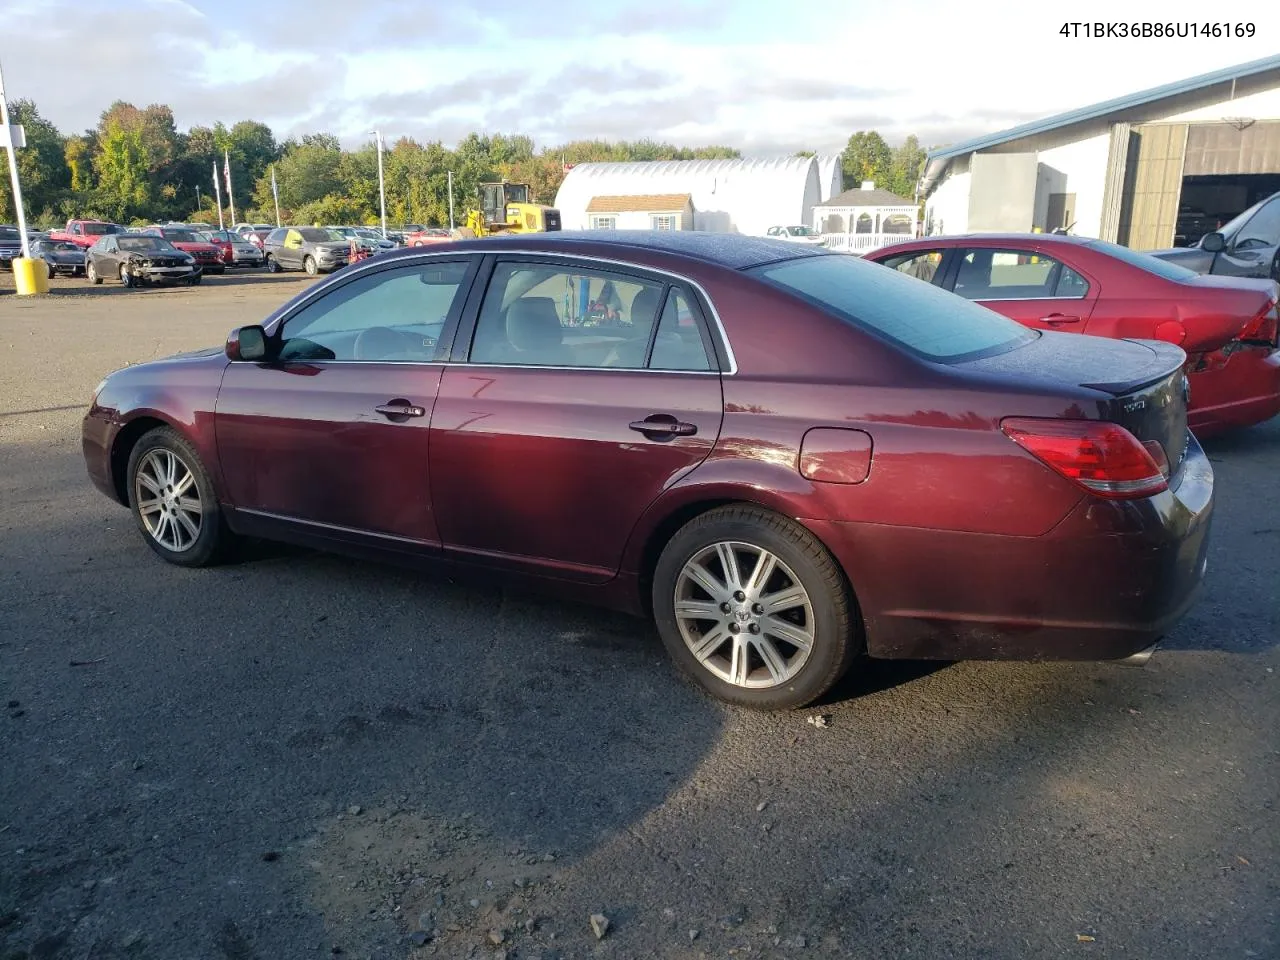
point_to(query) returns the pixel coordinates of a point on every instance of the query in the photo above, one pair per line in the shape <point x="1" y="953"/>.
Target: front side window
<point x="1263" y="228"/>
<point x="921" y="264"/>
<point x="550" y="315"/>
<point x="390" y="316"/>
<point x="920" y="317"/>
<point x="986" y="274"/>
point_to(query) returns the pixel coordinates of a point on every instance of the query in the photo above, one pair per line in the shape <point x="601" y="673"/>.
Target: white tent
<point x="728" y="196"/>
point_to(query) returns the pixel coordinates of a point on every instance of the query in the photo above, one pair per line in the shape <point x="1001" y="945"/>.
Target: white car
<point x="797" y="235"/>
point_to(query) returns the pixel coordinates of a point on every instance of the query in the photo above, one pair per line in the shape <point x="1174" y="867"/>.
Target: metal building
<point x="725" y="196"/>
<point x="1153" y="169"/>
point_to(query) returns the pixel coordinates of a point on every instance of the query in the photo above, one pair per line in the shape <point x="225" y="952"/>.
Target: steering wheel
<point x="383" y="343"/>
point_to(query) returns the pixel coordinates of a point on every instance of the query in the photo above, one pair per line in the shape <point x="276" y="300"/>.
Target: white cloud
<point x="757" y="74"/>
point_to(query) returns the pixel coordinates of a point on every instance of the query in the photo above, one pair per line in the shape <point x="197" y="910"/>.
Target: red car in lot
<point x="1227" y="326"/>
<point x="208" y="255"/>
<point x="825" y="459"/>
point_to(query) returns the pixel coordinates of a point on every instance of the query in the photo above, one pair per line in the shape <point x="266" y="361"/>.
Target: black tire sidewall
<point x="210" y="541"/>
<point x="836" y="641"/>
<point x="310" y="266"/>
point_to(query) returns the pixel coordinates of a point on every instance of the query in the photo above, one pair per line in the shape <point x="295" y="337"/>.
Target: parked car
<point x="233" y="249"/>
<point x="1226" y="325"/>
<point x="138" y="259"/>
<point x="1247" y="246"/>
<point x="10" y="245"/>
<point x="61" y="256"/>
<point x="829" y="460"/>
<point x="313" y="249"/>
<point x="369" y="240"/>
<point x="798" y="234"/>
<point x="207" y="254"/>
<point x="427" y="236"/>
<point x="85" y="233"/>
<point x="257" y="236"/>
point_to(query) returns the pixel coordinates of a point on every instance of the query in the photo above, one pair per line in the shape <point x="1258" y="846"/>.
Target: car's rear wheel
<point x="173" y="501"/>
<point x="309" y="265"/>
<point x="91" y="273"/>
<point x="754" y="608"/>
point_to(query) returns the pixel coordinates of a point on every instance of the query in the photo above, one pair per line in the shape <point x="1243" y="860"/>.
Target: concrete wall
<point x="1002" y="192"/>
<point x="947" y="209"/>
<point x="1084" y="163"/>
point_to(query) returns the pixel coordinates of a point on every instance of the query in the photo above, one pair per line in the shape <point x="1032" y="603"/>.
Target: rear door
<point x="1025" y="285"/>
<point x="556" y="425"/>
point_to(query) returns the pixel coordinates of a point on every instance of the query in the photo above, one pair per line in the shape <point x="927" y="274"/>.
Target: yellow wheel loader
<point x="505" y="208"/>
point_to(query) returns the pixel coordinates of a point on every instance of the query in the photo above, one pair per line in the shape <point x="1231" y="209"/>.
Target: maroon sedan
<point x="1226" y="325"/>
<point x="786" y="456"/>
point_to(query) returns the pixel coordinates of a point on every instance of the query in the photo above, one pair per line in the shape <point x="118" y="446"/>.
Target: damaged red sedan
<point x="787" y="457"/>
<point x="1226" y="325"/>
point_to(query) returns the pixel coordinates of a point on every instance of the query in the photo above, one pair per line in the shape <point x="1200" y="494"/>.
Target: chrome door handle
<point x="664" y="425"/>
<point x="400" y="410"/>
<point x="1059" y="318"/>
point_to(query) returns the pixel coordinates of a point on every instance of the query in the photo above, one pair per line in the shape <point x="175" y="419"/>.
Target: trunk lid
<point x="1220" y="310"/>
<point x="1145" y="389"/>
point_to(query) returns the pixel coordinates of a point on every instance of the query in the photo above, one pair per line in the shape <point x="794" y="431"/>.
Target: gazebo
<point x="865" y="218"/>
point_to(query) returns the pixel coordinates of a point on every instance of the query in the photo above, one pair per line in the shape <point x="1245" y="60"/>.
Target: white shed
<point x="726" y="196"/>
<point x="830" y="176"/>
<point x="645" y="211"/>
<point x="865" y="218"/>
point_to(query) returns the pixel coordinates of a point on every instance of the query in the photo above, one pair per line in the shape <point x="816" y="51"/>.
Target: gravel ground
<point x="305" y="756"/>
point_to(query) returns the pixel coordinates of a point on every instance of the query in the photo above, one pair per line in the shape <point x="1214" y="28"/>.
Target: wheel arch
<point x="122" y="448"/>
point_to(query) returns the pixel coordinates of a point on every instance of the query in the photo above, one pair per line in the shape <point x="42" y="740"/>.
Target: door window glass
<point x="1071" y="286"/>
<point x="679" y="344"/>
<point x="923" y="264"/>
<point x="548" y="315"/>
<point x="986" y="274"/>
<point x="389" y="316"/>
<point x="1263" y="228"/>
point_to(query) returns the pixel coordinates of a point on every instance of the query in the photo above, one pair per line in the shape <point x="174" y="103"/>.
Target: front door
<point x="1255" y="249"/>
<point x="1027" y="286"/>
<point x="333" y="432"/>
<point x="583" y="395"/>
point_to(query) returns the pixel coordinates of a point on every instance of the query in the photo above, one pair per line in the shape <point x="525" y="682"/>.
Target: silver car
<point x="313" y="249"/>
<point x="1248" y="246"/>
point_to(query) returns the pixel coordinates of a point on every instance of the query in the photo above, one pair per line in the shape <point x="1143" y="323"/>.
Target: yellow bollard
<point x="30" y="275"/>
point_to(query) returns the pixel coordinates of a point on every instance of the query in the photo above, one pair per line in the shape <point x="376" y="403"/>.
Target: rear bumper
<point x="1242" y="392"/>
<point x="1106" y="583"/>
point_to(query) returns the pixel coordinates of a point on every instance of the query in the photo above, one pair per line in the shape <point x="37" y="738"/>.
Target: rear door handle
<point x="663" y="424"/>
<point x="1059" y="318"/>
<point x="400" y="410"/>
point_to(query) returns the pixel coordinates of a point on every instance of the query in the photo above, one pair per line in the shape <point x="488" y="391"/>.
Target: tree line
<point x="136" y="166"/>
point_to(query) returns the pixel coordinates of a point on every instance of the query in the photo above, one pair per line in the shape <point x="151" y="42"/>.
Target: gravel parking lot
<point x="301" y="756"/>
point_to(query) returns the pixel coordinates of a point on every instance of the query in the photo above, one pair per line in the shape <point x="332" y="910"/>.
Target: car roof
<point x="735" y="251"/>
<point x="1004" y="238"/>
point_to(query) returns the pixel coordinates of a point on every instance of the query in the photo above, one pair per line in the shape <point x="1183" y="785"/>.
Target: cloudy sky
<point x="762" y="75"/>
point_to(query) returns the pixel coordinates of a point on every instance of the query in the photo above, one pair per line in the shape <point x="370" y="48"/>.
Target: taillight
<point x="1104" y="458"/>
<point x="1262" y="329"/>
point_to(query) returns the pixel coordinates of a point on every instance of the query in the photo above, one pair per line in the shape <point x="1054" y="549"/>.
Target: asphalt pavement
<point x="299" y="755"/>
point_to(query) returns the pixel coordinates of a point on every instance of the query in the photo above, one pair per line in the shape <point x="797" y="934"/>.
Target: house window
<point x="663" y="221"/>
<point x="604" y="223"/>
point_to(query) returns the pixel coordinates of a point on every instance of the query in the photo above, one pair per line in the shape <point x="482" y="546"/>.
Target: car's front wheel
<point x="91" y="273"/>
<point x="173" y="500"/>
<point x="755" y="609"/>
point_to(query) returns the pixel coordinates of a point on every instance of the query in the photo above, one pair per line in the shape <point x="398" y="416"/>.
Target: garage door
<point x="1153" y="184"/>
<point x="1232" y="149"/>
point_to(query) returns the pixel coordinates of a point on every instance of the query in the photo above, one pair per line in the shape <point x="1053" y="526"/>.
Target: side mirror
<point x="1213" y="243"/>
<point x="247" y="344"/>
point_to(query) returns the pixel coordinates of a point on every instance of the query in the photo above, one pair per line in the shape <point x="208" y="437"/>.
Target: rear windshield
<point x="8" y="233"/>
<point x="926" y="320"/>
<point x="1143" y="261"/>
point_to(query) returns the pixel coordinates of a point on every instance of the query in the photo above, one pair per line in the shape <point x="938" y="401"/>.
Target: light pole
<point x="12" y="149"/>
<point x="382" y="185"/>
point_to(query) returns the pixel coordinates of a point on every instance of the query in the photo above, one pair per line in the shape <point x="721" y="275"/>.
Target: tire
<point x="125" y="277"/>
<point x="196" y="279"/>
<point x="219" y="270"/>
<point x="171" y="537"/>
<point x="309" y="265"/>
<point x="825" y="614"/>
<point x="271" y="264"/>
<point x="91" y="273"/>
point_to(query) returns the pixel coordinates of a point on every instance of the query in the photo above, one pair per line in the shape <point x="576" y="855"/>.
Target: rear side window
<point x="926" y="320"/>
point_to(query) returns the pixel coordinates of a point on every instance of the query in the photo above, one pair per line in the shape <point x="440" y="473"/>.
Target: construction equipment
<point x="505" y="208"/>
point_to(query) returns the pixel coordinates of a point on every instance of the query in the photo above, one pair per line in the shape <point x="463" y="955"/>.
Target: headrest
<point x="533" y="323"/>
<point x="644" y="306"/>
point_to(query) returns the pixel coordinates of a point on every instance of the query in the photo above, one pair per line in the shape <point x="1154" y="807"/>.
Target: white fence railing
<point x="862" y="242"/>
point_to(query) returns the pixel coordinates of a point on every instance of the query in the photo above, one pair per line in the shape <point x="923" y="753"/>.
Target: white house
<point x="1151" y="170"/>
<point x="865" y="218"/>
<point x="725" y="196"/>
<point x="646" y="211"/>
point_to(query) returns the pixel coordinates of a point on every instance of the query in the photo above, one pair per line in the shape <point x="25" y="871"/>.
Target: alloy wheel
<point x="744" y="614"/>
<point x="168" y="500"/>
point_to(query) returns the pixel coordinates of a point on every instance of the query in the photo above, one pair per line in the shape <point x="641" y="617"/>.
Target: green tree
<point x="308" y="170"/>
<point x="333" y="209"/>
<point x="867" y="157"/>
<point x="905" y="168"/>
<point x="42" y="166"/>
